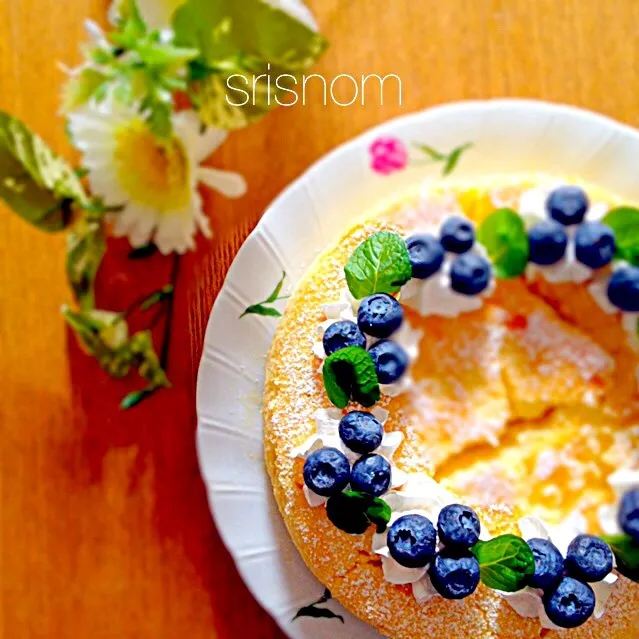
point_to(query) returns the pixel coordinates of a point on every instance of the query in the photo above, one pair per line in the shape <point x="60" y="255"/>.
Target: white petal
<point x="209" y="141"/>
<point x="226" y="182"/>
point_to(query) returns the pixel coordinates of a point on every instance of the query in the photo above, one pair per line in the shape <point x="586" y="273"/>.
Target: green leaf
<point x="433" y="154"/>
<point x="380" y="264"/>
<point x="353" y="512"/>
<point x="624" y="221"/>
<point x="261" y="308"/>
<point x="36" y="183"/>
<point x="626" y="551"/>
<point x="86" y="245"/>
<point x="505" y="562"/>
<point x="81" y="87"/>
<point x="135" y="397"/>
<point x="254" y="39"/>
<point x="453" y="159"/>
<point x="311" y="610"/>
<point x="504" y="236"/>
<point x="349" y="373"/>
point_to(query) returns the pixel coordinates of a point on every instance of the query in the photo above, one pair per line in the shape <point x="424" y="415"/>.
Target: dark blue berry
<point x="623" y="289"/>
<point x="470" y="274"/>
<point x="458" y="526"/>
<point x="549" y="564"/>
<point x="568" y="205"/>
<point x="342" y="334"/>
<point x="594" y="244"/>
<point x="426" y="255"/>
<point x="390" y="359"/>
<point x="548" y="242"/>
<point x="379" y="315"/>
<point x="589" y="558"/>
<point x="412" y="541"/>
<point x="454" y="576"/>
<point x="361" y="432"/>
<point x="457" y="235"/>
<point x="327" y="471"/>
<point x="629" y="513"/>
<point x="570" y="604"/>
<point x="371" y="475"/>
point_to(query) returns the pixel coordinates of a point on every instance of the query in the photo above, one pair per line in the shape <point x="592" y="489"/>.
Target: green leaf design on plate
<point x="311" y="610"/>
<point x="86" y="245"/>
<point x="626" y="551"/>
<point x="240" y="41"/>
<point x="449" y="161"/>
<point x="36" y="183"/>
<point x="380" y="264"/>
<point x="261" y="308"/>
<point x="505" y="562"/>
<point x="504" y="236"/>
<point x="349" y="373"/>
<point x="624" y="221"/>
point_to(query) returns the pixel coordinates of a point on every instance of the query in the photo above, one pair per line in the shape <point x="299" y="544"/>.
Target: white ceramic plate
<point x="508" y="136"/>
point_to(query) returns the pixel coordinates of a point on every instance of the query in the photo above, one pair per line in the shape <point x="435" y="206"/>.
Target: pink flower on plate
<point x="388" y="155"/>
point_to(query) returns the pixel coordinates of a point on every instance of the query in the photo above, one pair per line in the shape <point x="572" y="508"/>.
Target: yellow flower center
<point x="152" y="171"/>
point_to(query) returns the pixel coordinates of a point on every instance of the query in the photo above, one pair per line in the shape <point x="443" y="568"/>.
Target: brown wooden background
<point x="104" y="526"/>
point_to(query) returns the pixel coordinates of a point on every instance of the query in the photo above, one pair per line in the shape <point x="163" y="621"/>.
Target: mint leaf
<point x="353" y="512"/>
<point x="505" y="562"/>
<point x="626" y="551"/>
<point x="86" y="245"/>
<point x="350" y="374"/>
<point x="36" y="183"/>
<point x="624" y="221"/>
<point x="240" y="41"/>
<point x="504" y="236"/>
<point x="380" y="264"/>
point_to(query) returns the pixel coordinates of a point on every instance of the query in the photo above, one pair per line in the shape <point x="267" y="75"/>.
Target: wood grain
<point x="104" y="527"/>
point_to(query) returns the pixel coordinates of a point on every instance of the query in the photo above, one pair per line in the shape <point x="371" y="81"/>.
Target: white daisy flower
<point x="154" y="180"/>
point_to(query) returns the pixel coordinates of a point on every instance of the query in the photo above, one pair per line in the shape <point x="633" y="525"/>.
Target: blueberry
<point x="340" y="512"/>
<point x="371" y="475"/>
<point x="548" y="242"/>
<point x="470" y="274"/>
<point x="458" y="526"/>
<point x="426" y="255"/>
<point x="589" y="558"/>
<point x="379" y="315"/>
<point x="568" y="205"/>
<point x="623" y="289"/>
<point x="570" y="604"/>
<point x="390" y="359"/>
<point x="457" y="235"/>
<point x="412" y="541"/>
<point x="549" y="564"/>
<point x="454" y="576"/>
<point x="342" y="334"/>
<point x="327" y="471"/>
<point x="594" y="244"/>
<point x="361" y="432"/>
<point x="629" y="513"/>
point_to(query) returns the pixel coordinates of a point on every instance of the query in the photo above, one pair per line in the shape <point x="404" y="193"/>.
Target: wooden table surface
<point x="104" y="525"/>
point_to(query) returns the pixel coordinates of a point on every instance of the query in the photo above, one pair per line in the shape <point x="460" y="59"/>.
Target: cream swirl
<point x="327" y="435"/>
<point x="406" y="336"/>
<point x="529" y="601"/>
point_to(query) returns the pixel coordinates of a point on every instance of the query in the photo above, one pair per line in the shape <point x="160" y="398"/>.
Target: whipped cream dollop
<point x="327" y="435"/>
<point x="420" y="495"/>
<point x="529" y="601"/>
<point x="532" y="208"/>
<point x="434" y="295"/>
<point x="621" y="481"/>
<point x="406" y="336"/>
